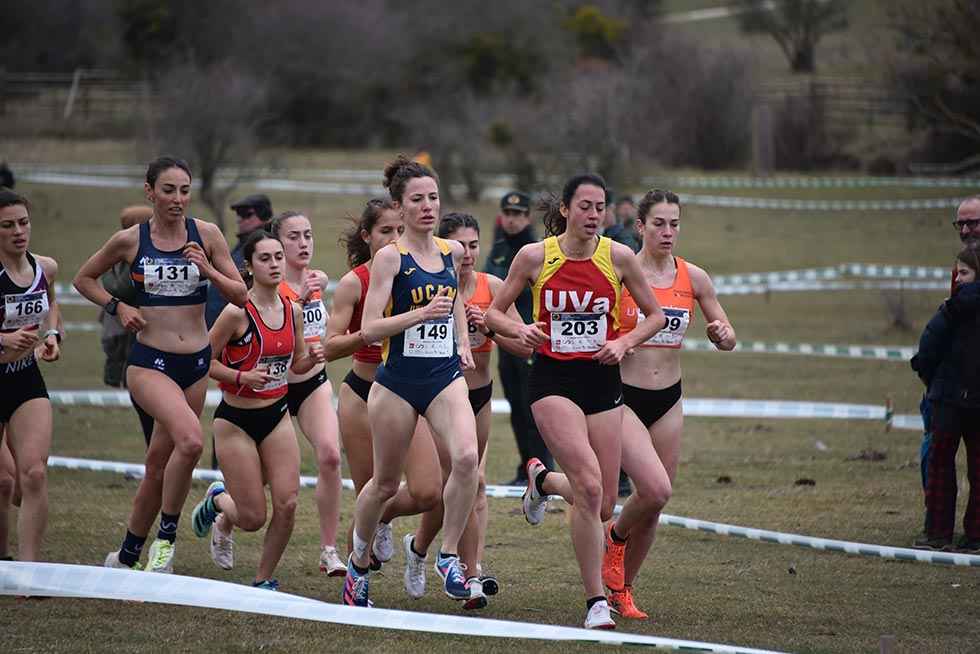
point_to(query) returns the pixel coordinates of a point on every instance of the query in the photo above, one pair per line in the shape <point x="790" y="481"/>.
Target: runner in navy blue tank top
<point x="29" y="322"/>
<point x="426" y="344"/>
<point x="173" y="259"/>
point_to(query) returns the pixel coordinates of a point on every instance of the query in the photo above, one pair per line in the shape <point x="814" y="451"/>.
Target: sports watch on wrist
<point x="112" y="306"/>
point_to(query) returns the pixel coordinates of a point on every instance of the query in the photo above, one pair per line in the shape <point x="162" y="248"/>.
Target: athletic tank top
<point x="314" y="313"/>
<point x="368" y="353"/>
<point x="677" y="302"/>
<point x="23" y="307"/>
<point x="167" y="278"/>
<point x="482" y="297"/>
<point x="577" y="300"/>
<point x="262" y="346"/>
<point x="429" y="347"/>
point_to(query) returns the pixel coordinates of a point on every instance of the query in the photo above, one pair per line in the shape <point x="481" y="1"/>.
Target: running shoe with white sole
<point x="112" y="561"/>
<point x="330" y="563"/>
<point x="478" y="598"/>
<point x="598" y="617"/>
<point x="621" y="602"/>
<point x="414" y="570"/>
<point x="490" y="584"/>
<point x="161" y="557"/>
<point x="222" y="546"/>
<point x="205" y="513"/>
<point x="533" y="502"/>
<point x="355" y="587"/>
<point x="266" y="584"/>
<point x="383" y="547"/>
<point x="450" y="570"/>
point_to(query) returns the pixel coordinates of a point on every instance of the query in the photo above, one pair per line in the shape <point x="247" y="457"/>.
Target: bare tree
<point x="211" y="116"/>
<point x="796" y="25"/>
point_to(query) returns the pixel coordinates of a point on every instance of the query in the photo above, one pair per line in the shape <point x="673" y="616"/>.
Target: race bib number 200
<point x="430" y="339"/>
<point x="314" y="320"/>
<point x="24" y="309"/>
<point x="578" y="332"/>
<point x="170" y="277"/>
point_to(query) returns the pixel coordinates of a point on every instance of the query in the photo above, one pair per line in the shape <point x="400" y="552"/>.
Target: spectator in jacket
<point x="948" y="362"/>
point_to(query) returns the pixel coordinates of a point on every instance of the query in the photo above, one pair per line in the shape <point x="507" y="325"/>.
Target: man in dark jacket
<point x="254" y="212"/>
<point x="948" y="362"/>
<point x="515" y="231"/>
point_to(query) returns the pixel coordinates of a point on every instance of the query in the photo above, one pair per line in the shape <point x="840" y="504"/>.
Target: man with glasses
<point x="967" y="225"/>
<point x="254" y="212"/>
<point x="513" y="232"/>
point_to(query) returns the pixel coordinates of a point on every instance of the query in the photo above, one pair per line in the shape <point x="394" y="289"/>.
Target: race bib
<point x="477" y="338"/>
<point x="578" y="332"/>
<point x="170" y="277"/>
<point x="673" y="332"/>
<point x="430" y="339"/>
<point x="314" y="320"/>
<point x="277" y="367"/>
<point x="24" y="309"/>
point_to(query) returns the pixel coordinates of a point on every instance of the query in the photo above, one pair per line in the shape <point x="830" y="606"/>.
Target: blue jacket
<point x="948" y="360"/>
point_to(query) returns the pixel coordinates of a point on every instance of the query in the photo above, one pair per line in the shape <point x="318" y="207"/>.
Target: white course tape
<point x="874" y="271"/>
<point x="721" y="408"/>
<point x="790" y="204"/>
<point x="875" y="352"/>
<point x="513" y="492"/>
<point x="78" y="581"/>
<point x="797" y="286"/>
<point x="812" y="182"/>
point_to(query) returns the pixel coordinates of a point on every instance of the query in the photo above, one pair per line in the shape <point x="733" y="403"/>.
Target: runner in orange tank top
<point x="378" y="225"/>
<point x="575" y="385"/>
<point x="476" y="289"/>
<point x="652" y="391"/>
<point x="310" y="395"/>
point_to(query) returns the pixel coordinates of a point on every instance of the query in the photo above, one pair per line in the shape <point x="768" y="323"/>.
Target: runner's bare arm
<point x="338" y="342"/>
<point x="719" y="329"/>
<point x="525" y="267"/>
<point x="512" y="345"/>
<point x="221" y="270"/>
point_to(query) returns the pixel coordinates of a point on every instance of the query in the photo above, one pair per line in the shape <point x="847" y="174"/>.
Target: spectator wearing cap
<point x="620" y="221"/>
<point x="254" y="212"/>
<point x="514" y="231"/>
<point x="6" y="175"/>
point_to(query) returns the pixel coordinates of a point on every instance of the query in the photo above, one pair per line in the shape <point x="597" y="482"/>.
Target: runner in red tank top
<point x="575" y="384"/>
<point x="310" y="396"/>
<point x="379" y="225"/>
<point x="255" y="348"/>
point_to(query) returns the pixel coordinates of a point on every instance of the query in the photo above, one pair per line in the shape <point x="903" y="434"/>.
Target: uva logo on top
<point x="584" y="302"/>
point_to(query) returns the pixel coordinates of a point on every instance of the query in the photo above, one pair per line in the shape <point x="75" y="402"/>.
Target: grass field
<point x="696" y="585"/>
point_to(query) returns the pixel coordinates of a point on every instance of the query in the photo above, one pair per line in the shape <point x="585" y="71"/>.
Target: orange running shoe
<point x="613" y="568"/>
<point x="621" y="601"/>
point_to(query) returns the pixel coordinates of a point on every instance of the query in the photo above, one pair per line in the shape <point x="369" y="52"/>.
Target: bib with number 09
<point x="277" y="367"/>
<point x="314" y="320"/>
<point x="170" y="277"/>
<point x="24" y="309"/>
<point x="673" y="332"/>
<point x="430" y="339"/>
<point x="578" y="332"/>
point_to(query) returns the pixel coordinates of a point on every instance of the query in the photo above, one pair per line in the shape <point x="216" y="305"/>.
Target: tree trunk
<point x="803" y="59"/>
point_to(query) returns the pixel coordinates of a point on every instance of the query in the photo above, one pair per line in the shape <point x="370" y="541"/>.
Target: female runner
<point x="476" y="290"/>
<point x="172" y="260"/>
<point x="311" y="394"/>
<point x="256" y="347"/>
<point x="29" y="306"/>
<point x="654" y="417"/>
<point x="425" y="347"/>
<point x="380" y="224"/>
<point x="575" y="386"/>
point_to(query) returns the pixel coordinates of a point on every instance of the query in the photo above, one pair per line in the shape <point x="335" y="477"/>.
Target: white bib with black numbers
<point x="673" y="332"/>
<point x="170" y="277"/>
<point x="276" y="367"/>
<point x="24" y="309"/>
<point x="430" y="339"/>
<point x="578" y="332"/>
<point x="314" y="320"/>
<point x="477" y="338"/>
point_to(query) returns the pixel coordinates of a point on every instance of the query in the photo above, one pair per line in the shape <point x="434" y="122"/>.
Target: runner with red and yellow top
<point x="476" y="289"/>
<point x="575" y="386"/>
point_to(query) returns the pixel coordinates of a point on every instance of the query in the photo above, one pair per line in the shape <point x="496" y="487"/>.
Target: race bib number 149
<point x="430" y="339"/>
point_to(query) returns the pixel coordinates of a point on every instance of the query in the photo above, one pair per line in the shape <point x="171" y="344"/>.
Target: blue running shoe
<point x="355" y="587"/>
<point x="205" y="512"/>
<point x="266" y="584"/>
<point x="449" y="568"/>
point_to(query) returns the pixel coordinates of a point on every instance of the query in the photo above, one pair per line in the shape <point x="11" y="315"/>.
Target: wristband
<point x="55" y="333"/>
<point x="490" y="333"/>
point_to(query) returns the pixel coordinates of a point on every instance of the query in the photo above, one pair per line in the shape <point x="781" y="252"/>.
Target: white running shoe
<point x="533" y="502"/>
<point x="478" y="598"/>
<point x="222" y="546"/>
<point x="414" y="570"/>
<point x="112" y="561"/>
<point x="330" y="562"/>
<point x="598" y="617"/>
<point x="161" y="557"/>
<point x="383" y="546"/>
